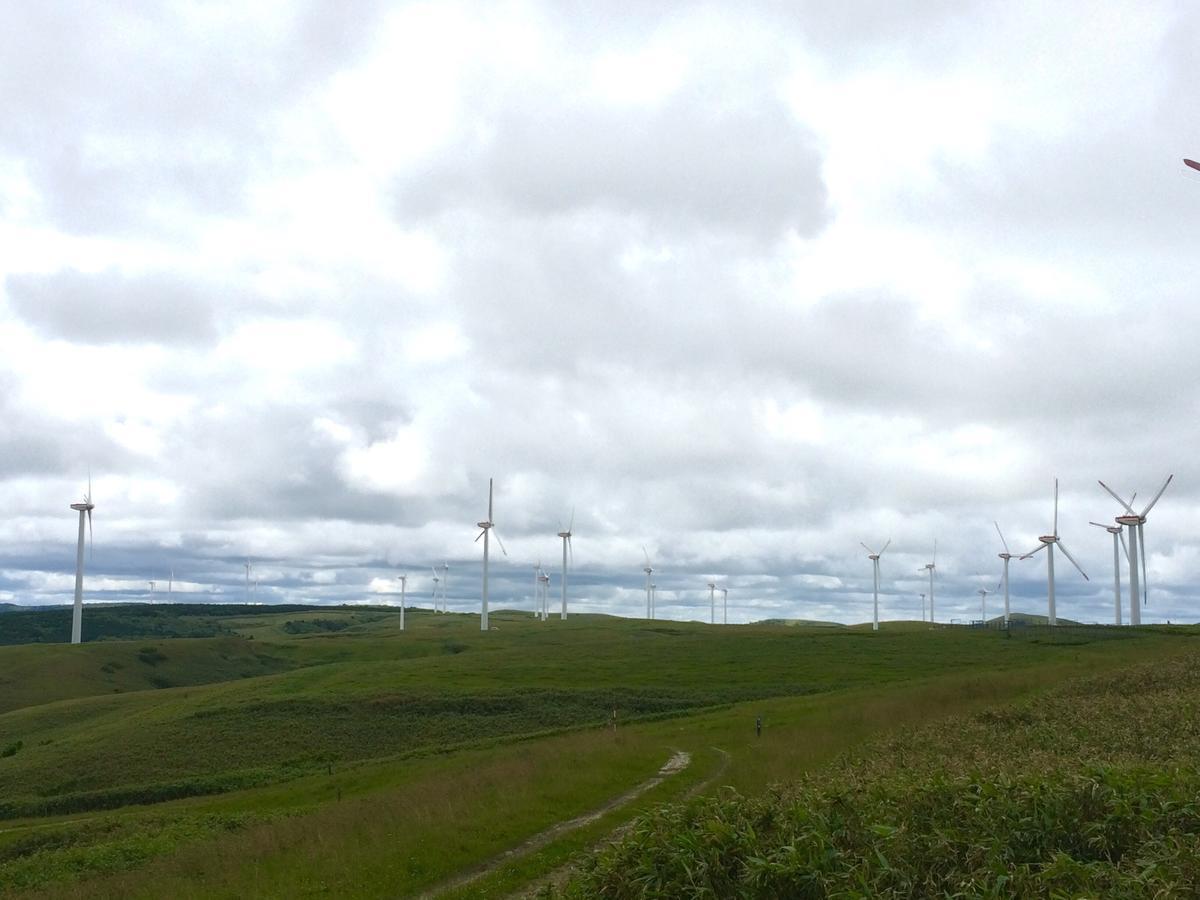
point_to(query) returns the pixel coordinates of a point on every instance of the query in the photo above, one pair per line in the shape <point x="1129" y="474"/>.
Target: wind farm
<point x="304" y="308"/>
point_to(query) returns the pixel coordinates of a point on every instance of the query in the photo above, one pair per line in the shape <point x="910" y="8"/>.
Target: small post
<point x="758" y="726"/>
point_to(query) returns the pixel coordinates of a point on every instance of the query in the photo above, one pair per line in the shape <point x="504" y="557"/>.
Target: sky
<point x="743" y="285"/>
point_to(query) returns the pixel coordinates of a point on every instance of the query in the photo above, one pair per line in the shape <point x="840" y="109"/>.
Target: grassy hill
<point x="122" y="756"/>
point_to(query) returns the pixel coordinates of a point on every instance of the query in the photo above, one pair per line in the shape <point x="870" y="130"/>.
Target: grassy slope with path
<point x="364" y="712"/>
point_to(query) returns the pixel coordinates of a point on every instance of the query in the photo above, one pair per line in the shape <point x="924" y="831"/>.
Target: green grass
<point x="440" y="738"/>
<point x="1091" y="790"/>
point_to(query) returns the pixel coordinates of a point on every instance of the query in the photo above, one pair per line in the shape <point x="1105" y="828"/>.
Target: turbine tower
<point x="567" y="545"/>
<point x="649" y="570"/>
<point x="922" y="605"/>
<point x="486" y="526"/>
<point x="653" y="599"/>
<point x="1006" y="556"/>
<point x="1048" y="541"/>
<point x="724" y="605"/>
<point x="247" y="564"/>
<point x="437" y="606"/>
<point x="171" y="580"/>
<point x="403" y="584"/>
<point x="445" y="587"/>
<point x="1135" y="522"/>
<point x="712" y="603"/>
<point x="537" y="590"/>
<point x="152" y="583"/>
<point x="874" y="558"/>
<point x="83" y="508"/>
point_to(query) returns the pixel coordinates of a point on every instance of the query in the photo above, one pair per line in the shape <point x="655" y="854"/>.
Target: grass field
<point x="307" y="750"/>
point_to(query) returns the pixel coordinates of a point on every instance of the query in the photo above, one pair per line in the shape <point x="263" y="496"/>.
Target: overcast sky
<point x="746" y="284"/>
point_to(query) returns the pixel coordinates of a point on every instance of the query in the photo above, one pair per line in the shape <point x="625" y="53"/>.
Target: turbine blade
<point x="1039" y="549"/>
<point x="865" y="547"/>
<point x="571" y="527"/>
<point x="489" y="499"/>
<point x="496" y="535"/>
<point x="647" y="555"/>
<point x="1156" y="496"/>
<point x="1002" y="540"/>
<point x="91" y="537"/>
<point x="1111" y="493"/>
<point x="885" y="546"/>
<point x="935" y="552"/>
<point x="571" y="550"/>
<point x="1055" y="531"/>
<point x="1072" y="559"/>
<point x="1098" y="525"/>
<point x="478" y="536"/>
<point x="1124" y="546"/>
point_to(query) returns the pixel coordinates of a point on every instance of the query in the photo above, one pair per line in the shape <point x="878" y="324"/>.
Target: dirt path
<point x="559" y="876"/>
<point x="677" y="763"/>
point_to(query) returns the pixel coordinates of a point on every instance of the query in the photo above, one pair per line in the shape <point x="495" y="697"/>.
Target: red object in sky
<point x="1192" y="163"/>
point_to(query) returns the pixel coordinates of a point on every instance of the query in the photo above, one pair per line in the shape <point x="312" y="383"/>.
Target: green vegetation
<point x="1092" y="790"/>
<point x="324" y="750"/>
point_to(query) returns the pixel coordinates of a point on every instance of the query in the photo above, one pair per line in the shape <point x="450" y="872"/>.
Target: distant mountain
<point x="7" y="607"/>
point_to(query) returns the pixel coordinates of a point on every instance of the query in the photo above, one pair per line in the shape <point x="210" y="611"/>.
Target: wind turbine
<point x="152" y="591"/>
<point x="567" y="545"/>
<point x="724" y="605"/>
<point x="486" y="526"/>
<point x="247" y="564"/>
<point x="1048" y="541"/>
<point x="1006" y="556"/>
<point x="930" y="567"/>
<point x="1137" y="544"/>
<point x="545" y="585"/>
<point x="874" y="558"/>
<point x="436" y="605"/>
<point x="983" y="592"/>
<point x="712" y="603"/>
<point x="77" y="613"/>
<point x="649" y="570"/>
<point x="537" y="590"/>
<point x="1118" y="534"/>
<point x="403" y="584"/>
<point x="171" y="580"/>
<point x="445" y="587"/>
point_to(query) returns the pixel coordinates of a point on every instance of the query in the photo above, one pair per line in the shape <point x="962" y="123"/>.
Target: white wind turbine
<point x="1048" y="541"/>
<point x="171" y="580"/>
<point x="874" y="557"/>
<point x="712" y="603"/>
<point x="1118" y="534"/>
<point x="445" y="587"/>
<point x="649" y="570"/>
<point x="1006" y="556"/>
<point x="567" y="545"/>
<point x="537" y="590"/>
<point x="403" y="584"/>
<point x="724" y="605"/>
<point x="485" y="527"/>
<point x="930" y="567"/>
<point x="983" y="592"/>
<point x="545" y="583"/>
<point x="437" y="606"/>
<point x="247" y="565"/>
<point x="152" y="583"/>
<point x="1137" y="546"/>
<point x="84" y="508"/>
